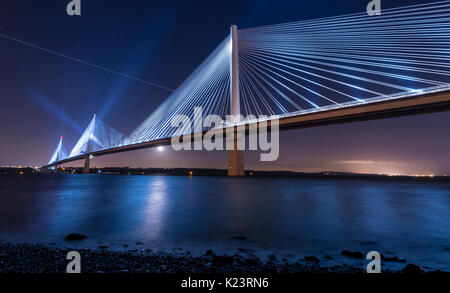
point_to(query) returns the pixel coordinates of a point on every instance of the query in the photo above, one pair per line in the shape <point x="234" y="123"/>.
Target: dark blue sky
<point x="44" y="96"/>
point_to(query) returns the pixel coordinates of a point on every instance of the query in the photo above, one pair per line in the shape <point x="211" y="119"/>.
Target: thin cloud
<point x="363" y="162"/>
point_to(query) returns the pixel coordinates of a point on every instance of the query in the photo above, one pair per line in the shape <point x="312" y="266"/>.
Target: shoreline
<point x="205" y="172"/>
<point x="38" y="258"/>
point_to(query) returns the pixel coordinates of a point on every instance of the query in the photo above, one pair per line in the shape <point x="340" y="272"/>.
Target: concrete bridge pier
<point x="236" y="159"/>
<point x="87" y="165"/>
<point x="47" y="170"/>
<point x="235" y="156"/>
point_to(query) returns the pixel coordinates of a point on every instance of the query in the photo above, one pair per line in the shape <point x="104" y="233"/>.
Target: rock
<point x="353" y="254"/>
<point x="75" y="236"/>
<point x="103" y="247"/>
<point x="412" y="269"/>
<point x="33" y="258"/>
<point x="139" y="243"/>
<point x="252" y="260"/>
<point x="125" y="245"/>
<point x="394" y="259"/>
<point x="209" y="252"/>
<point x="369" y="243"/>
<point x="272" y="257"/>
<point x="311" y="258"/>
<point x="239" y="238"/>
<point x="222" y="260"/>
<point x="239" y="261"/>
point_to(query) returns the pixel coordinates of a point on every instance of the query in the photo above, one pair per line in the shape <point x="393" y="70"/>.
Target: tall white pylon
<point x="235" y="157"/>
<point x="59" y="154"/>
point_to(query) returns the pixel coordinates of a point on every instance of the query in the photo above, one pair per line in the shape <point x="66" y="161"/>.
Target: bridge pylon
<point x="87" y="165"/>
<point x="87" y="162"/>
<point x="235" y="156"/>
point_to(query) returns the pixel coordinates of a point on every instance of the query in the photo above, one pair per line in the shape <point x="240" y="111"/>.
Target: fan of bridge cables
<point x="332" y="62"/>
<point x="96" y="137"/>
<point x="314" y="65"/>
<point x="59" y="154"/>
<point x="207" y="87"/>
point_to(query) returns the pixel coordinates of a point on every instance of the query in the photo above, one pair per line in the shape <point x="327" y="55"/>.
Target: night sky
<point x="44" y="96"/>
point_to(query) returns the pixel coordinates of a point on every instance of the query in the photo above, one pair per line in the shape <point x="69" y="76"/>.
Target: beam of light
<point x="152" y="34"/>
<point x="45" y="103"/>
<point x="85" y="62"/>
<point x="137" y="60"/>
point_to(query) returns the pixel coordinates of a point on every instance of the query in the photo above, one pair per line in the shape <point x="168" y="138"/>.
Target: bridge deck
<point x="417" y="104"/>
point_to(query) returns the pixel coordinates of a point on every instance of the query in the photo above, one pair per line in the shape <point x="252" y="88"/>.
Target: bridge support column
<point x="236" y="159"/>
<point x="87" y="165"/>
<point x="45" y="170"/>
<point x="235" y="156"/>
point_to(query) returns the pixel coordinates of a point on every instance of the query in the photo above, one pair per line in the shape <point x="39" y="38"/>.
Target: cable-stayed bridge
<point x="307" y="73"/>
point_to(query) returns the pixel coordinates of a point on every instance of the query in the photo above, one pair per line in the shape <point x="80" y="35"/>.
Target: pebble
<point x="252" y="260"/>
<point x="311" y="259"/>
<point x="413" y="269"/>
<point x="75" y="236"/>
<point x="353" y="254"/>
<point x="28" y="258"/>
<point x="239" y="238"/>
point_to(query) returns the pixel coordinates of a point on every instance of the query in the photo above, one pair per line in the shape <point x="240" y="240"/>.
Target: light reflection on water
<point x="301" y="216"/>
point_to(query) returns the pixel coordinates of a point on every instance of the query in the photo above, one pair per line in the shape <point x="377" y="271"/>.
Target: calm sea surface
<point x="285" y="216"/>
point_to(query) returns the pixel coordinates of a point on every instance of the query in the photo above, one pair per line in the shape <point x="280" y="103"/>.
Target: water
<point x="276" y="215"/>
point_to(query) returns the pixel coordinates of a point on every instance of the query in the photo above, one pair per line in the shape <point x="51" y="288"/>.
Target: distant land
<point x="219" y="172"/>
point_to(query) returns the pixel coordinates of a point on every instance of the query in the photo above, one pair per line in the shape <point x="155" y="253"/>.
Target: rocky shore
<point x="35" y="258"/>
